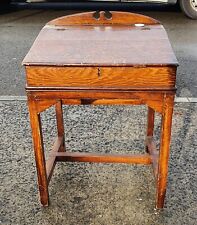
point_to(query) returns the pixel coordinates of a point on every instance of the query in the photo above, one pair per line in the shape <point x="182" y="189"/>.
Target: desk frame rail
<point x="157" y="101"/>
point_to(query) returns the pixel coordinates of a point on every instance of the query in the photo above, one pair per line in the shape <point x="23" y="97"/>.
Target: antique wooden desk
<point x="101" y="58"/>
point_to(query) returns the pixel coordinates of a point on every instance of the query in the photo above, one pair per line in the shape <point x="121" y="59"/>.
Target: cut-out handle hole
<point x="107" y="15"/>
<point x="96" y="15"/>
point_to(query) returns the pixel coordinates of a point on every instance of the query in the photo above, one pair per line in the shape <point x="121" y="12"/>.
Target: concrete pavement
<point x="85" y="193"/>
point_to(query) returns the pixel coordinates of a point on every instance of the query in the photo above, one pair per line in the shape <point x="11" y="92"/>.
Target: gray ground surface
<point x="19" y="29"/>
<point x="84" y="193"/>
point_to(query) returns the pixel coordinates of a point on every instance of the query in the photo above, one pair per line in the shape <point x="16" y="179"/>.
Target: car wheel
<point x="189" y="7"/>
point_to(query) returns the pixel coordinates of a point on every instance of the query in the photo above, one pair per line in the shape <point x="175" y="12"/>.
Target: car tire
<point x="189" y="7"/>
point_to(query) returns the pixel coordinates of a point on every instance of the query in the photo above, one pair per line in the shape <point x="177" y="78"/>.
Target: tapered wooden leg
<point x="60" y="123"/>
<point x="39" y="152"/>
<point x="164" y="150"/>
<point x="150" y="124"/>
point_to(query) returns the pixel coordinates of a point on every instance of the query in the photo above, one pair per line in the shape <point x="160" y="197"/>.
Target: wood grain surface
<point x="78" y="59"/>
<point x="98" y="158"/>
<point x="103" y="45"/>
<point x="50" y="76"/>
<point x="118" y="18"/>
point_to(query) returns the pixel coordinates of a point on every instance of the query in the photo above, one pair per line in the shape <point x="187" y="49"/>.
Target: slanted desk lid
<point x="80" y="40"/>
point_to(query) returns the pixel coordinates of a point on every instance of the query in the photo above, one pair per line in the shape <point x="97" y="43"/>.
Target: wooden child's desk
<point x="101" y="58"/>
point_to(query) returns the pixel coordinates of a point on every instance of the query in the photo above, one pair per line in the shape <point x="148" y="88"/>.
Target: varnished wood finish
<point x="39" y="152"/>
<point x="119" y="18"/>
<point x="51" y="162"/>
<point x="44" y="104"/>
<point x="60" y="123"/>
<point x="78" y="59"/>
<point x="164" y="149"/>
<point x="102" y="158"/>
<point x="145" y="95"/>
<point x="100" y="76"/>
<point x="152" y="98"/>
<point x="150" y="125"/>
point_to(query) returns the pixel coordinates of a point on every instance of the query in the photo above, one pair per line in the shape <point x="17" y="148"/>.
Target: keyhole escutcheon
<point x="99" y="71"/>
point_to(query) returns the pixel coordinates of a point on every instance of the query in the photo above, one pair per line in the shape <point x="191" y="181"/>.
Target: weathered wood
<point x="107" y="45"/>
<point x="105" y="158"/>
<point x="136" y="47"/>
<point x="151" y="148"/>
<point x="51" y="162"/>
